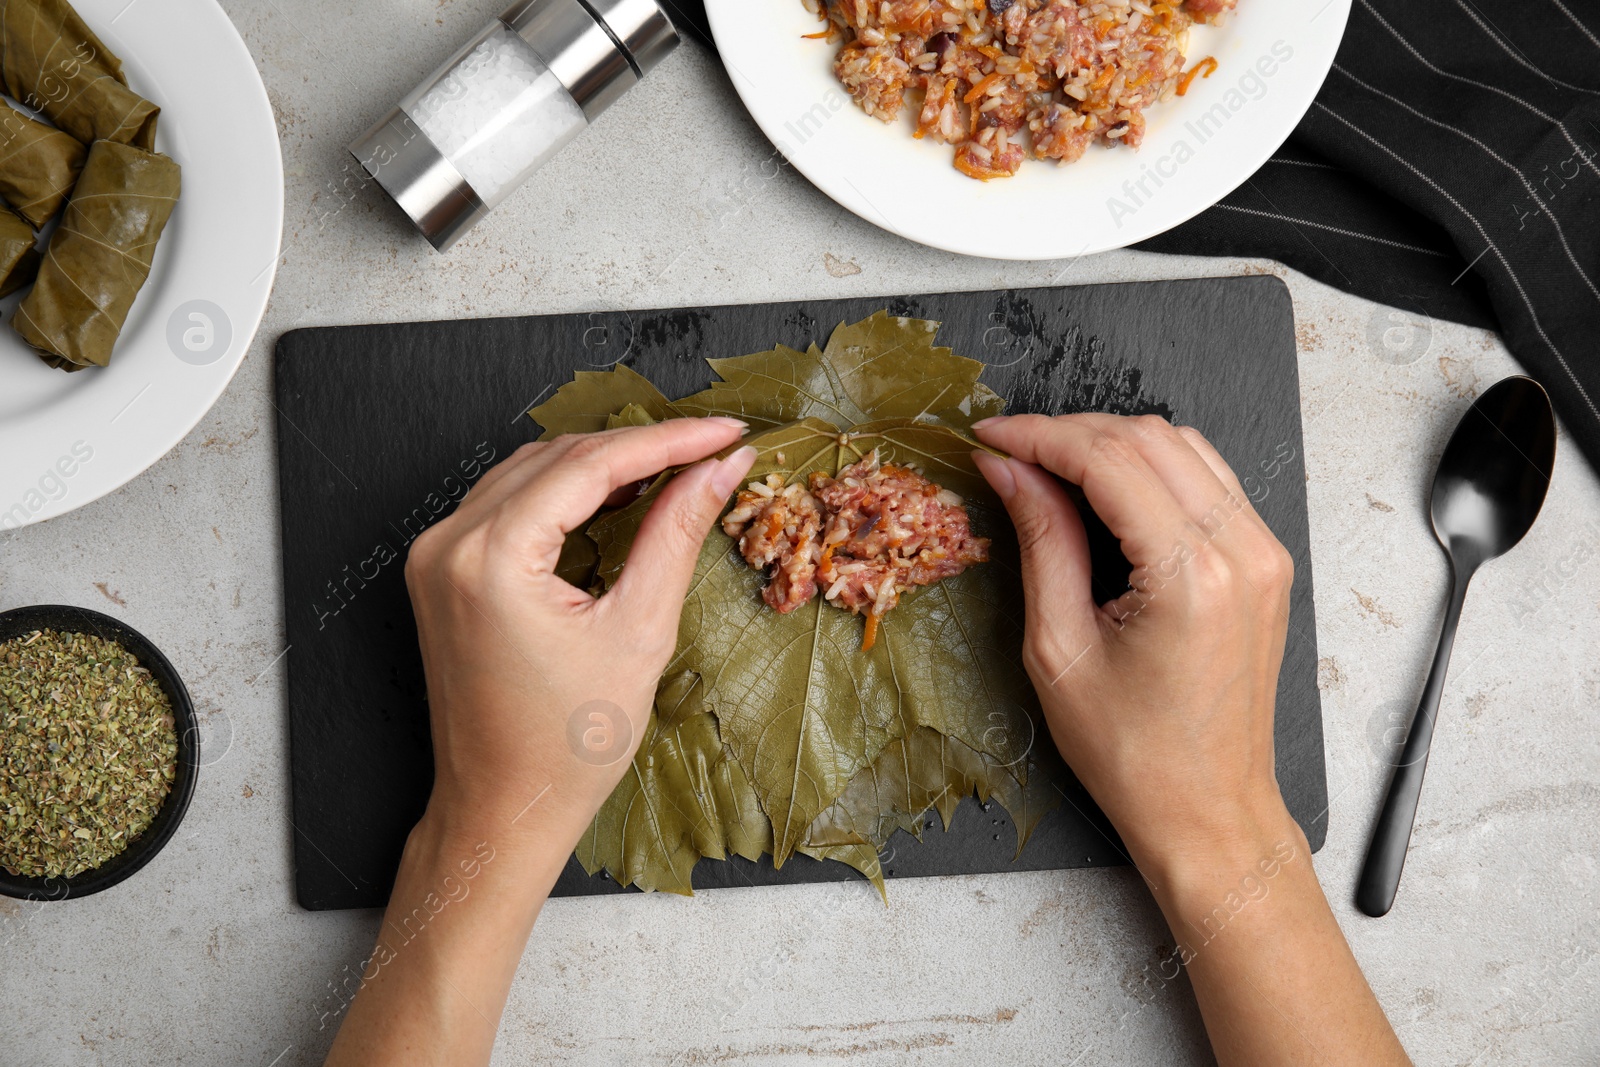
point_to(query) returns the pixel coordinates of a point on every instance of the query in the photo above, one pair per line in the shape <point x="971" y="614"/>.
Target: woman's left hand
<point x="536" y="688"/>
<point x="539" y="694"/>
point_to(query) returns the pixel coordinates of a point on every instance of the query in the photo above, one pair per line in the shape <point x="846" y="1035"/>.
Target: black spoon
<point x="1491" y="482"/>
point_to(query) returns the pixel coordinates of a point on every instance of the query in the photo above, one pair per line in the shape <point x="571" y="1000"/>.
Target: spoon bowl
<point x="1491" y="483"/>
<point x="1495" y="471"/>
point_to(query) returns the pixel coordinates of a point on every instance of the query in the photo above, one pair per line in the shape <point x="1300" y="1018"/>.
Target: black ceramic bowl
<point x="21" y="621"/>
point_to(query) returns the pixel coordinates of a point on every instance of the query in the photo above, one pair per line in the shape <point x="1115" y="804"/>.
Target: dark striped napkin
<point x="1450" y="167"/>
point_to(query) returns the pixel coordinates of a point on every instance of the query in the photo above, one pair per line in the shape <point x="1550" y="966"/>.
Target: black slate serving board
<point x="382" y="428"/>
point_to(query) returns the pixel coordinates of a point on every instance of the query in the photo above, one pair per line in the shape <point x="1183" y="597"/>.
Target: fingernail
<point x="997" y="472"/>
<point x="728" y="473"/>
<point x="724" y="420"/>
<point x="992" y="420"/>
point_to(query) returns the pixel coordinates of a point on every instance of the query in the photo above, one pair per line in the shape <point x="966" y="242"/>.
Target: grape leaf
<point x="1032" y="790"/>
<point x="799" y="703"/>
<point x="51" y="61"/>
<point x="681" y="799"/>
<point x="810" y="444"/>
<point x="639" y="838"/>
<point x="927" y="771"/>
<point x="641" y="834"/>
<point x="882" y="367"/>
<point x="863" y="858"/>
<point x="632" y="415"/>
<point x="773" y="687"/>
<point x="777" y="733"/>
<point x="890" y="367"/>
<point x="588" y="402"/>
<point x="578" y="560"/>
<point x="921" y="770"/>
<point x="769" y="389"/>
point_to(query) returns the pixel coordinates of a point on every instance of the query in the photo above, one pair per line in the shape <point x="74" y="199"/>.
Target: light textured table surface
<point x="674" y="198"/>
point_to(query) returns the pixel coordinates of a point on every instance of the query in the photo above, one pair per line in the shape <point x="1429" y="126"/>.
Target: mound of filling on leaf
<point x="861" y="538"/>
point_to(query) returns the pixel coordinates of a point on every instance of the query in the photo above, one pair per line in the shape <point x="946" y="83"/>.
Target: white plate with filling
<point x="992" y="85"/>
<point x="69" y="438"/>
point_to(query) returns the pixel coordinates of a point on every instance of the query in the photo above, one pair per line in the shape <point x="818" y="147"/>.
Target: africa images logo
<point x="1252" y="85"/>
<point x="599" y="733"/>
<point x="50" y="486"/>
<point x="199" y="332"/>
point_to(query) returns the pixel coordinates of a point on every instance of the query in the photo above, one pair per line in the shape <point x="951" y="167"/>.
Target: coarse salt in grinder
<point x="477" y="127"/>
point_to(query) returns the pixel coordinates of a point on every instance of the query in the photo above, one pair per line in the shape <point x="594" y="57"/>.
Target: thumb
<point x="1056" y="578"/>
<point x="662" y="560"/>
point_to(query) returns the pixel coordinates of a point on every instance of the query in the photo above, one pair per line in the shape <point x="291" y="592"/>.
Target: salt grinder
<point x="511" y="98"/>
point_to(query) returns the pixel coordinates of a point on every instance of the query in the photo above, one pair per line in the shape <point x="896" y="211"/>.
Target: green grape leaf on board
<point x="632" y="415"/>
<point x="881" y="367"/>
<point x="681" y="799"/>
<point x="579" y="559"/>
<point x="1032" y="790"/>
<point x="863" y="858"/>
<point x="800" y="704"/>
<point x="923" y="769"/>
<point x="890" y="367"/>
<point x="588" y="402"/>
<point x="778" y="733"/>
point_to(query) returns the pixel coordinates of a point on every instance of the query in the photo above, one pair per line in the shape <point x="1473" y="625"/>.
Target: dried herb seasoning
<point x="780" y="733"/>
<point x="89" y="752"/>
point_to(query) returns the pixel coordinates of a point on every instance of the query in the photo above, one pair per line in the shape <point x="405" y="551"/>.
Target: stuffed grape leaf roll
<point x="19" y="259"/>
<point x="52" y="62"/>
<point x="100" y="255"/>
<point x="38" y="166"/>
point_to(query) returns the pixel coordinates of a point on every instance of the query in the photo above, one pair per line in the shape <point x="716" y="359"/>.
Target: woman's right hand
<point x="1162" y="700"/>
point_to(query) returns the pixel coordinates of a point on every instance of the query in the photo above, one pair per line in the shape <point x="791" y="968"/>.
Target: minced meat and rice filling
<point x="1002" y="78"/>
<point x="861" y="538"/>
<point x="779" y="526"/>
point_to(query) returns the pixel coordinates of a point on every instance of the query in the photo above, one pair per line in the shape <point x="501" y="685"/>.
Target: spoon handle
<point x="1386" y="856"/>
